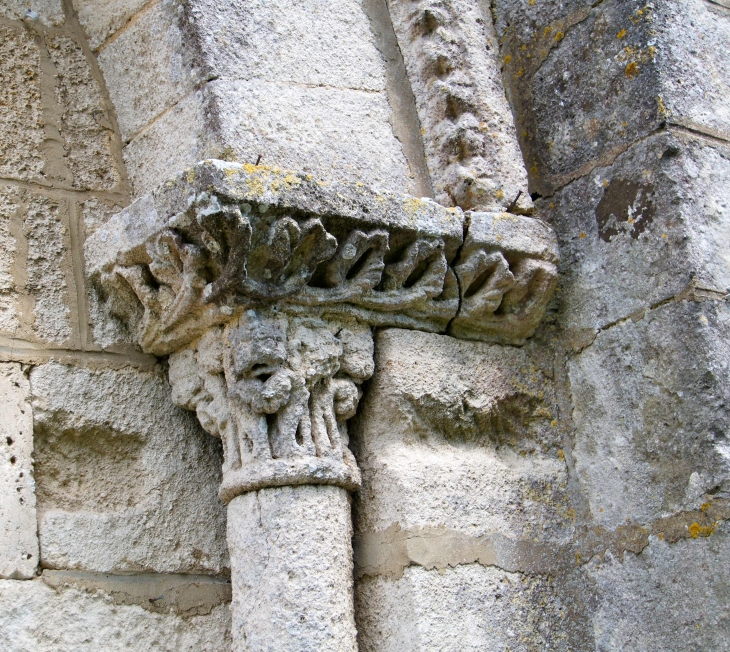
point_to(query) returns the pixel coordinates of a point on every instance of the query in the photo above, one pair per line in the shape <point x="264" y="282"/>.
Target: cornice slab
<point x="222" y="238"/>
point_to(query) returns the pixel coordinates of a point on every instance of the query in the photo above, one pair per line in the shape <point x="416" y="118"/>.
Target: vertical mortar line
<point x="55" y="167"/>
<point x="123" y="186"/>
<point x="77" y="272"/>
<point x="406" y="123"/>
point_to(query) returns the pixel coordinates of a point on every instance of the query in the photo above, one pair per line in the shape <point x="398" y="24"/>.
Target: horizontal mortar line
<point x="696" y="131"/>
<point x="21" y="350"/>
<point x="64" y="191"/>
<point x="142" y="130"/>
<point x="152" y="575"/>
<point x="131" y="21"/>
<point x="296" y="84"/>
<point x="719" y="3"/>
<point x="607" y="160"/>
<point x="684" y="295"/>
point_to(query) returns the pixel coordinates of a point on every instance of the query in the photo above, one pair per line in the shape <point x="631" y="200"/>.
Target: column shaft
<point x="291" y="561"/>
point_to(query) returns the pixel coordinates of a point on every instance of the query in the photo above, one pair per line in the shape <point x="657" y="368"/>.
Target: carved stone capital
<point x="262" y="286"/>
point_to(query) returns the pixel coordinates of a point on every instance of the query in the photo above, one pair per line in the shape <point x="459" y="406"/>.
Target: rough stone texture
<point x="21" y="119"/>
<point x="46" y="230"/>
<point x="102" y="18"/>
<point x="648" y="225"/>
<point x="693" y="39"/>
<point x="128" y="485"/>
<point x="451" y="55"/>
<point x="286" y="93"/>
<point x="145" y="68"/>
<point x="670" y="597"/>
<point x="650" y="410"/>
<point x="175" y="141"/>
<point x="35" y="618"/>
<point x="312" y="42"/>
<point x="18" y="530"/>
<point x="9" y="199"/>
<point x="495" y="610"/>
<point x="471" y="419"/>
<point x="50" y="12"/>
<point x="85" y="127"/>
<point x="291" y="561"/>
<point x="585" y="83"/>
<point x="331" y="133"/>
<point x="461" y="462"/>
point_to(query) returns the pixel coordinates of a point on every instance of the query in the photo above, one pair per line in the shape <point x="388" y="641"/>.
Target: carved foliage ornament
<point x="263" y="286"/>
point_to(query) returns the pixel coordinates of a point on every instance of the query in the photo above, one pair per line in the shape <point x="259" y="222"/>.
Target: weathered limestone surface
<point x="670" y="597"/>
<point x="647" y="228"/>
<point x="228" y="231"/>
<point x="18" y="529"/>
<point x="465" y="495"/>
<point x="102" y="18"/>
<point x="127" y="484"/>
<point x="586" y="82"/>
<point x="650" y="406"/>
<point x="495" y="610"/>
<point x="36" y="618"/>
<point x="50" y="12"/>
<point x="268" y="84"/>
<point x="291" y="557"/>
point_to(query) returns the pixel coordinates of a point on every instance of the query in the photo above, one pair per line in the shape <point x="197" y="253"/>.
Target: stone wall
<point x="569" y="494"/>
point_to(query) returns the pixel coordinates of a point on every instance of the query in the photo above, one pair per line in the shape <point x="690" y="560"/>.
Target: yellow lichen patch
<point x="704" y="506"/>
<point x="191" y="175"/>
<point x="531" y="2"/>
<point x="507" y="59"/>
<point x="559" y="37"/>
<point x="621" y="34"/>
<point x="582" y="235"/>
<point x="499" y="194"/>
<point x="547" y="31"/>
<point x="292" y="180"/>
<point x="697" y="530"/>
<point x="632" y="70"/>
<point x="661" y="109"/>
<point x="561" y="455"/>
<point x="520" y="72"/>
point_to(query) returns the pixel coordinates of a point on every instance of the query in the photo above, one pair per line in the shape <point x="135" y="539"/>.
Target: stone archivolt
<point x="263" y="287"/>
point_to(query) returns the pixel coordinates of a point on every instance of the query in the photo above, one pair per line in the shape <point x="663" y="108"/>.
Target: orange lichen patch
<point x="621" y="34"/>
<point x="697" y="530"/>
<point x="632" y="70"/>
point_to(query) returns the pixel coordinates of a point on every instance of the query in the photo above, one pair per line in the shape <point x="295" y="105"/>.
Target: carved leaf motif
<point x="422" y="266"/>
<point x="287" y="260"/>
<point x="533" y="281"/>
<point x="362" y="252"/>
<point x="484" y="278"/>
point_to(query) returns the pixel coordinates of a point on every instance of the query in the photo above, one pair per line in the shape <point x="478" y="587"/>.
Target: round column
<point x="292" y="570"/>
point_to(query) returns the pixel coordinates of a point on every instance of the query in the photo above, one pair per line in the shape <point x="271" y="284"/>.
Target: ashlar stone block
<point x="649" y="227"/>
<point x="37" y="618"/>
<point x="650" y="406"/>
<point x="21" y="113"/>
<point x="124" y="485"/>
<point x="18" y="529"/>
